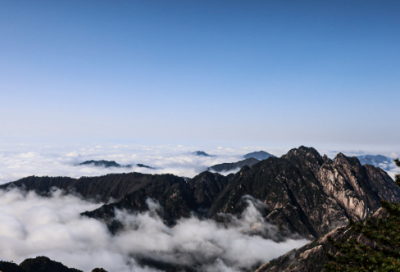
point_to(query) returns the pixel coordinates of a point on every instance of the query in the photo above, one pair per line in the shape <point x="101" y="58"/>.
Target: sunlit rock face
<point x="312" y="256"/>
<point x="303" y="192"/>
<point x="310" y="194"/>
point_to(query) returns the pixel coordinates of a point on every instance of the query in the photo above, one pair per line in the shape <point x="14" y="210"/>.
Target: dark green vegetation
<point x="378" y="250"/>
<point x="38" y="264"/>
<point x="224" y="167"/>
<point x="259" y="155"/>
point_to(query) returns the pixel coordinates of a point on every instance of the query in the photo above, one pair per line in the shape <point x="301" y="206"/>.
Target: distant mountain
<point x="377" y="160"/>
<point x="302" y="193"/>
<point x="201" y="153"/>
<point x="224" y="167"/>
<point x="106" y="164"/>
<point x="259" y="155"/>
<point x="101" y="163"/>
<point x="144" y="166"/>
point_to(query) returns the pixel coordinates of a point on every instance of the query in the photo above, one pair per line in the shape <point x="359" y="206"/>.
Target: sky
<point x="233" y="72"/>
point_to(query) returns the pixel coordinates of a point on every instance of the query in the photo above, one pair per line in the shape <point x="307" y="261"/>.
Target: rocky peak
<point x="305" y="156"/>
<point x="342" y="159"/>
<point x="326" y="159"/>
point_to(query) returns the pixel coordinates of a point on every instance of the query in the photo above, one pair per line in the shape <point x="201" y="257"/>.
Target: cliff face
<point x="302" y="192"/>
<point x="312" y="256"/>
<point x="309" y="194"/>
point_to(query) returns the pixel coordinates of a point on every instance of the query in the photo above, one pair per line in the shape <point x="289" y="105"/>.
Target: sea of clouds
<point x="32" y="225"/>
<point x="19" y="161"/>
<point x="22" y="160"/>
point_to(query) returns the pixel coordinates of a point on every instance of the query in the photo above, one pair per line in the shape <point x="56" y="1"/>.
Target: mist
<point x="32" y="225"/>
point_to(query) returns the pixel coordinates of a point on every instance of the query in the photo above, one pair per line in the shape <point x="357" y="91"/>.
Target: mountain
<point x="224" y="167"/>
<point x="377" y="160"/>
<point x="302" y="191"/>
<point x="307" y="193"/>
<point x="106" y="164"/>
<point x="144" y="166"/>
<point x="38" y="264"/>
<point x="313" y="256"/>
<point x="201" y="153"/>
<point x="259" y="155"/>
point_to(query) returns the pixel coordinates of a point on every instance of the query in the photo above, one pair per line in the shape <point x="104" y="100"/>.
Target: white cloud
<point x="61" y="161"/>
<point x="20" y="161"/>
<point x="31" y="225"/>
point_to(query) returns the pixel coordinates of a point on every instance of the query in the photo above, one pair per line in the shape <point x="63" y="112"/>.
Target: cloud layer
<point x="31" y="225"/>
<point x="18" y="161"/>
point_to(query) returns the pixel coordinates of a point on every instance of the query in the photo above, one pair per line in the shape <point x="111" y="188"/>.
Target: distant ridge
<point x="302" y="191"/>
<point x="224" y="167"/>
<point x="259" y="155"/>
<point x="298" y="190"/>
<point x="376" y="160"/>
<point x="201" y="153"/>
<point x="101" y="163"/>
<point x="106" y="164"/>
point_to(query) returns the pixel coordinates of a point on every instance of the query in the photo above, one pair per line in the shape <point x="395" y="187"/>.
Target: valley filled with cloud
<point x="32" y="225"/>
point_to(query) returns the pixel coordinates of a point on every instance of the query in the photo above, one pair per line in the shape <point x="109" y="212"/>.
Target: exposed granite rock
<point x="309" y="194"/>
<point x="312" y="256"/>
<point x="302" y="192"/>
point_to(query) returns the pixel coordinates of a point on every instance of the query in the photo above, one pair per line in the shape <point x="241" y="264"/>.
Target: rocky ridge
<point x="302" y="193"/>
<point x="313" y="256"/>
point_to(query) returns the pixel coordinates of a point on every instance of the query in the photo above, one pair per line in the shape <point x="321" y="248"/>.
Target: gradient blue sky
<point x="236" y="71"/>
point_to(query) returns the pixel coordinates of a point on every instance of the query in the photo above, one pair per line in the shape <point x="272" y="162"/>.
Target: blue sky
<point x="304" y="72"/>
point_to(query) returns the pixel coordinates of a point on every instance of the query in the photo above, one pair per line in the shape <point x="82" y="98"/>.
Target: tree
<point x="380" y="252"/>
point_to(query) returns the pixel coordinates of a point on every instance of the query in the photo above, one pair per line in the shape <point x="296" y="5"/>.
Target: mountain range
<point x="378" y="160"/>
<point x="39" y="264"/>
<point x="302" y="192"/>
<point x="107" y="164"/>
<point x="259" y="155"/>
<point x="250" y="160"/>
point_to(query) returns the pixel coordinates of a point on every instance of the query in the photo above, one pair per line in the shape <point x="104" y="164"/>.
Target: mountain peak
<point x="259" y="155"/>
<point x="201" y="153"/>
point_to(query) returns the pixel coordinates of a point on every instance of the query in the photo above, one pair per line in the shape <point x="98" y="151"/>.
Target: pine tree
<point x="382" y="253"/>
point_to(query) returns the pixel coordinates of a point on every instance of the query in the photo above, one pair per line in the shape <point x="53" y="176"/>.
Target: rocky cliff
<point x="303" y="192"/>
<point x="313" y="256"/>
